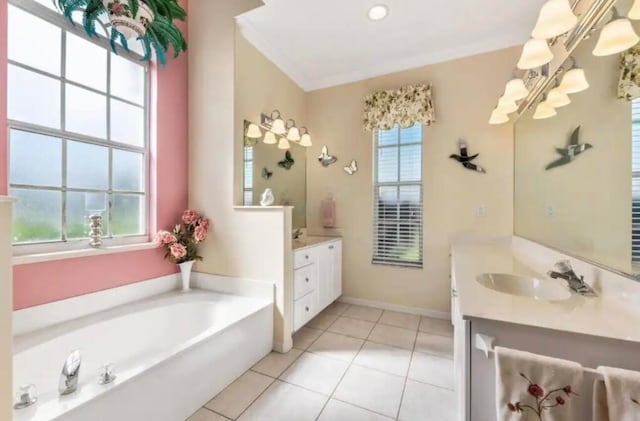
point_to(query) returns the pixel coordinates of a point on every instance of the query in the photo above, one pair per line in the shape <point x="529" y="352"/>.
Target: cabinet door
<point x="336" y="280"/>
<point x="325" y="278"/>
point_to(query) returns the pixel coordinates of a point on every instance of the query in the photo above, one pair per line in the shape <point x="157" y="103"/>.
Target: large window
<point x="78" y="124"/>
<point x="398" y="197"/>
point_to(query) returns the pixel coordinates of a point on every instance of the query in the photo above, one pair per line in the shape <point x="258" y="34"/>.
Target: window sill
<point x="73" y="254"/>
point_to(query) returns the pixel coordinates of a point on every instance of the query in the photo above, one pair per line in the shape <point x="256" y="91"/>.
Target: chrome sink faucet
<point x="576" y="283"/>
<point x="70" y="375"/>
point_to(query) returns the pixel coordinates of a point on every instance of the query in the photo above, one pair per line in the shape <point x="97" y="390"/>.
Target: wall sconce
<point x="276" y="127"/>
<point x="574" y="80"/>
<point x="498" y="118"/>
<point x="253" y="131"/>
<point x="558" y="98"/>
<point x="634" y="13"/>
<point x="284" y="143"/>
<point x="616" y="36"/>
<point x="274" y="122"/>
<point x="556" y="18"/>
<point x="516" y="90"/>
<point x="270" y="138"/>
<point x="293" y="133"/>
<point x="544" y="110"/>
<point x="305" y="140"/>
<point x="536" y="53"/>
<point x="506" y="105"/>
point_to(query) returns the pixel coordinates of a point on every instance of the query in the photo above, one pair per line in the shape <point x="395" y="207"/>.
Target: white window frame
<point x="64" y="244"/>
<point x="379" y="258"/>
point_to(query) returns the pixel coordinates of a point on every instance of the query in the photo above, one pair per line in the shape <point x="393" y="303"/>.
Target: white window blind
<point x="397" y="227"/>
<point x="635" y="183"/>
<point x="248" y="176"/>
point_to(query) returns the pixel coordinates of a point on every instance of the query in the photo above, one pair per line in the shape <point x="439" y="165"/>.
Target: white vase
<point x="185" y="271"/>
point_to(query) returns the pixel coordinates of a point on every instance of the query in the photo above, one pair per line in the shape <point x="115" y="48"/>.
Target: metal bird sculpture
<point x="465" y="159"/>
<point x="573" y="149"/>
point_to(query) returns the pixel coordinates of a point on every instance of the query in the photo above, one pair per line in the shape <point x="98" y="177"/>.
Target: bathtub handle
<point x="106" y="374"/>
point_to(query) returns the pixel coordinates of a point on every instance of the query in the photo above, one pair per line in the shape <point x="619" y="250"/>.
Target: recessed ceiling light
<point x="378" y="12"/>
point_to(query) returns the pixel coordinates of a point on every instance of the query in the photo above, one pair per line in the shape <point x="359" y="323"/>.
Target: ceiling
<point x="322" y="43"/>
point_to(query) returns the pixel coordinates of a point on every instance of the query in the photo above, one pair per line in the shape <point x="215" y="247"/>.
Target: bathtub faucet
<point x="70" y="373"/>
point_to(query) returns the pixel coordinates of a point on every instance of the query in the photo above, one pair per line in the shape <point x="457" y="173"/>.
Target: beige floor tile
<point x="284" y="402"/>
<point x="394" y="336"/>
<point x="322" y="321"/>
<point x="436" y="326"/>
<point x="385" y="358"/>
<point x="337" y="308"/>
<point x="204" y="414"/>
<point x="274" y="364"/>
<point x="352" y="327"/>
<point x="342" y="411"/>
<point x="403" y="320"/>
<point x="305" y="336"/>
<point x="425" y="402"/>
<point x="336" y="346"/>
<point x="371" y="389"/>
<point x="434" y="344"/>
<point x="431" y="369"/>
<point x="317" y="373"/>
<point x="239" y="394"/>
<point x="363" y="313"/>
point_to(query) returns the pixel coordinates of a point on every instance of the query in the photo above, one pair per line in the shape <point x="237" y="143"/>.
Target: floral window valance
<point x="405" y="106"/>
<point x="629" y="85"/>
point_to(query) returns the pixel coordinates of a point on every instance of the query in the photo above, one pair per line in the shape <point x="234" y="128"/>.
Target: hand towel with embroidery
<point x="617" y="397"/>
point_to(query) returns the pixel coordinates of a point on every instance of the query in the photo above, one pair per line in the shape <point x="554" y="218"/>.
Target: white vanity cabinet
<point x="317" y="279"/>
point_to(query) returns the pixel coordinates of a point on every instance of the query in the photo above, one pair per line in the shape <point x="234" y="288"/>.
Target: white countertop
<point x="311" y="241"/>
<point x="607" y="316"/>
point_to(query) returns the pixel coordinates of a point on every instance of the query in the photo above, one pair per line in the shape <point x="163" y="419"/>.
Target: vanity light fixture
<point x="556" y="18"/>
<point x="284" y="143"/>
<point x="253" y="131"/>
<point x="634" y="13"/>
<point x="498" y="117"/>
<point x="617" y="36"/>
<point x="506" y="105"/>
<point x="277" y="126"/>
<point x="557" y="98"/>
<point x="305" y="140"/>
<point x="516" y="89"/>
<point x="544" y="110"/>
<point x="574" y="80"/>
<point x="536" y="53"/>
<point x="378" y="12"/>
<point x="293" y="133"/>
<point x="270" y="138"/>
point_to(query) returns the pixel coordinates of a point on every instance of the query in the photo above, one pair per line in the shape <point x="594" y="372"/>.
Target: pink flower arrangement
<point x="182" y="242"/>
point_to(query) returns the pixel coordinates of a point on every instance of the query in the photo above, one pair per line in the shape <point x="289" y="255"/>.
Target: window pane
<point x="127" y="79"/>
<point x="86" y="63"/>
<point x="127" y="123"/>
<point x="412" y="134"/>
<point x="388" y="137"/>
<point x="410" y="203"/>
<point x="33" y="41"/>
<point x="87" y="166"/>
<point x="387" y="165"/>
<point x="388" y="203"/>
<point x="24" y="87"/>
<point x="37" y="215"/>
<point x="35" y="159"/>
<point x="128" y="170"/>
<point x="86" y="112"/>
<point x="410" y="163"/>
<point x="127" y="214"/>
<point x="78" y="211"/>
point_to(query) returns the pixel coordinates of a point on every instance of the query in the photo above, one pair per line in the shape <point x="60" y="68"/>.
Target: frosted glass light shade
<point x="574" y="81"/>
<point x="283" y="143"/>
<point x="506" y="105"/>
<point x="544" y="110"/>
<point x="498" y="118"/>
<point x="556" y="18"/>
<point x="536" y="52"/>
<point x="306" y="140"/>
<point x="516" y="89"/>
<point x="634" y="13"/>
<point x="253" y="131"/>
<point x="278" y="126"/>
<point x="617" y="36"/>
<point x="294" y="134"/>
<point x="270" y="138"/>
<point x="557" y="98"/>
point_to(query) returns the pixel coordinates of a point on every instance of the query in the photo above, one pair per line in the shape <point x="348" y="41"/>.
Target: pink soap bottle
<point x="328" y="212"/>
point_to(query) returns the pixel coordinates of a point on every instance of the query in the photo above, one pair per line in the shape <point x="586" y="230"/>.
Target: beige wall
<point x="591" y="197"/>
<point x="465" y="92"/>
<point x="6" y="311"/>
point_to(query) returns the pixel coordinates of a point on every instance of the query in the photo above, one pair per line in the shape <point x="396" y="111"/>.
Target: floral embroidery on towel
<point x="544" y="401"/>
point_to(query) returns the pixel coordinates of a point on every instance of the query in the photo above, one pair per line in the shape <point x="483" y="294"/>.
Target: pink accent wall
<point x="45" y="282"/>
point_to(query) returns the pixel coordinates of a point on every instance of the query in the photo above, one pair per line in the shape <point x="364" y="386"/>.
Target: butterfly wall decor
<point x="326" y="159"/>
<point x="287" y="162"/>
<point x="351" y="168"/>
<point x="266" y="174"/>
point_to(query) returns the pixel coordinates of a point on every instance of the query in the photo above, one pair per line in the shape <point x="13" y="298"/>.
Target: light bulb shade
<point x="557" y="98"/>
<point x="253" y="131"/>
<point x="574" y="81"/>
<point x="634" y="13"/>
<point x="516" y="89"/>
<point x="617" y="36"/>
<point x="294" y="134"/>
<point x="506" y="105"/>
<point x="283" y="143"/>
<point x="270" y="138"/>
<point x="556" y="18"/>
<point x="306" y="140"/>
<point x="498" y="118"/>
<point x="536" y="52"/>
<point x="278" y="126"/>
<point x="544" y="110"/>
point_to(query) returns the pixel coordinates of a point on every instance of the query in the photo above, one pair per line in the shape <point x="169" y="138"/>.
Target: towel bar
<point x="485" y="344"/>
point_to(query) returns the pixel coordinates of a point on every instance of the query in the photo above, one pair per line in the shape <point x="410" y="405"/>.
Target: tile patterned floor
<point x="349" y="363"/>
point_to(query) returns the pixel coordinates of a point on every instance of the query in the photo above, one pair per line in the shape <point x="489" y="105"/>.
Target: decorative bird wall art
<point x="326" y="159"/>
<point x="569" y="154"/>
<point x="465" y="159"/>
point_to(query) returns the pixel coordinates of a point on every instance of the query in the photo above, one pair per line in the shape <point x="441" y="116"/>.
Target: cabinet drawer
<point x="304" y="309"/>
<point x="305" y="280"/>
<point x="304" y="257"/>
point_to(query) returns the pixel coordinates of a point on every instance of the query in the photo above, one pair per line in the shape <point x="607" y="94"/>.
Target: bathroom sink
<point x="540" y="289"/>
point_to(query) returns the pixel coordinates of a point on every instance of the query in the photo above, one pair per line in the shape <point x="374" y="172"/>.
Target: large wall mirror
<point x="577" y="174"/>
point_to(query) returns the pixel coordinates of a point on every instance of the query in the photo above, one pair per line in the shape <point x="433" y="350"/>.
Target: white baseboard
<point x="395" y="307"/>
